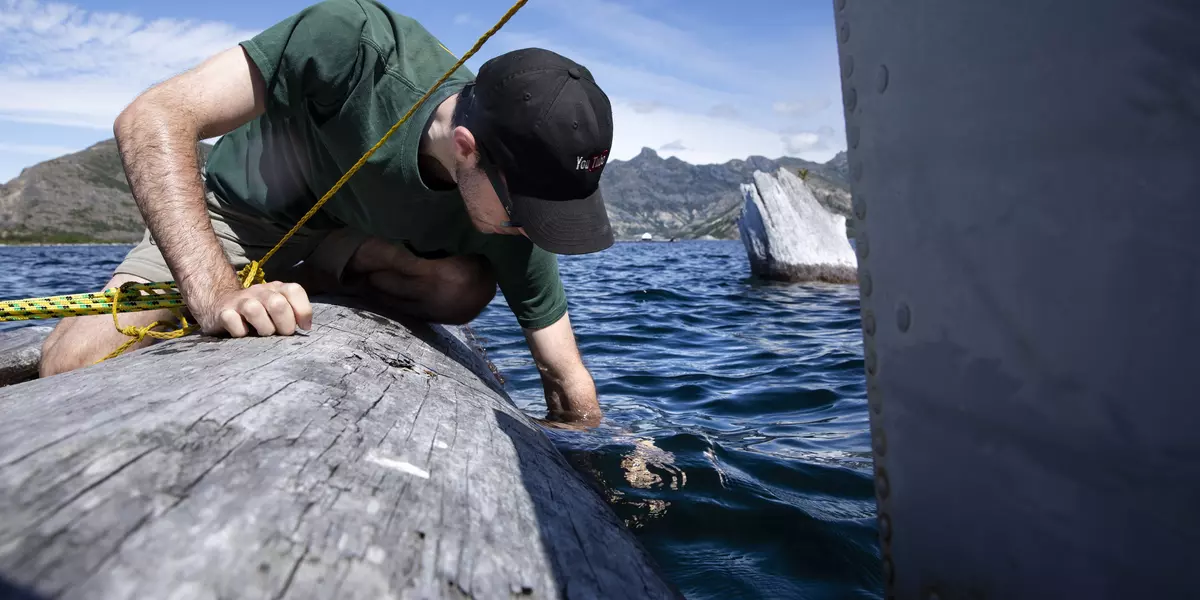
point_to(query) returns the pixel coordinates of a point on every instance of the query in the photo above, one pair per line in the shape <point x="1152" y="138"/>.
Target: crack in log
<point x="116" y="549"/>
<point x="466" y="501"/>
<point x="256" y="404"/>
<point x="38" y="523"/>
<point x="403" y="491"/>
<point x="32" y="553"/>
<point x="434" y="438"/>
<point x="52" y="487"/>
<point x="440" y="528"/>
<point x="287" y="583"/>
<point x="263" y="442"/>
<point x="187" y="490"/>
<point x="199" y="420"/>
<point x="417" y="416"/>
<point x="373" y="404"/>
<point x="292" y="440"/>
<point x="454" y="437"/>
<point x="79" y="431"/>
<point x="303" y="513"/>
<point x="310" y="460"/>
<point x="327" y="449"/>
<point x="383" y="437"/>
<point x="336" y="403"/>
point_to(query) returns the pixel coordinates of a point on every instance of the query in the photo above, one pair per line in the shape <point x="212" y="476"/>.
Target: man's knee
<point x="67" y="347"/>
<point x="58" y="357"/>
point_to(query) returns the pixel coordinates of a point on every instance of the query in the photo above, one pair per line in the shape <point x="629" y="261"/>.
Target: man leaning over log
<point x="492" y="177"/>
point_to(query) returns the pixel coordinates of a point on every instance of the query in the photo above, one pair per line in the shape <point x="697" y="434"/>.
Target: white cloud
<point x="36" y="150"/>
<point x="724" y="111"/>
<point x="463" y="19"/>
<point x="705" y="139"/>
<point x="810" y="142"/>
<point x="803" y="108"/>
<point x="647" y="106"/>
<point x="64" y="65"/>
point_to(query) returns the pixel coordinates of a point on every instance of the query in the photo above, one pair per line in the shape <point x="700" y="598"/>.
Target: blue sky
<point x="702" y="80"/>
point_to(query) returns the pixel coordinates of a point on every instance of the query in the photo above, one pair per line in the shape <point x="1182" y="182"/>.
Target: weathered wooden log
<point x="368" y="458"/>
<point x="789" y="236"/>
<point x="20" y="352"/>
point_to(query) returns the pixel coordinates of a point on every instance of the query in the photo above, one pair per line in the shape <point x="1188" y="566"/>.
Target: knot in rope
<point x="137" y="334"/>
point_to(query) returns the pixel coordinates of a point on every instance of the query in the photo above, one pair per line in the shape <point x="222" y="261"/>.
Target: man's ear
<point x="465" y="150"/>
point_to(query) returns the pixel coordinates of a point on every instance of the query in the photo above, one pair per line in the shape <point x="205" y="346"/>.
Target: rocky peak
<point x="647" y="154"/>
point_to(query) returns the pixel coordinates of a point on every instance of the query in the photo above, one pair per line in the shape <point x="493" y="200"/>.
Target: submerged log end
<point x="823" y="273"/>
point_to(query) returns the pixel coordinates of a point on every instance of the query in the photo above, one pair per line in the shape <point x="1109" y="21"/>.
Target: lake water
<point x="735" y="443"/>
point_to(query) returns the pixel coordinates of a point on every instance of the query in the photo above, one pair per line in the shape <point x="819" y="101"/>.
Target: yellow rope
<point x="97" y="303"/>
<point x="137" y="334"/>
<point x="166" y="294"/>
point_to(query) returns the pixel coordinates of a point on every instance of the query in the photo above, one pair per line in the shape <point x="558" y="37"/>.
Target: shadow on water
<point x="592" y="552"/>
<point x="13" y="591"/>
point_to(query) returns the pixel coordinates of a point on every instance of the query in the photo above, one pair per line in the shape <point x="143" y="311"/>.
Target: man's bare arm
<point x="568" y="386"/>
<point x="157" y="136"/>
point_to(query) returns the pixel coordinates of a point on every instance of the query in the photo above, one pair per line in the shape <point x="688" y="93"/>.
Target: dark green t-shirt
<point x="339" y="74"/>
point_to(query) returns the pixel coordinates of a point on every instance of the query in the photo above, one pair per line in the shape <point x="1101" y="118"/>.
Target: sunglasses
<point x="493" y="172"/>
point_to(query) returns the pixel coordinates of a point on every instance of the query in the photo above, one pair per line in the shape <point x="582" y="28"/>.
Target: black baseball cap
<point x="540" y="118"/>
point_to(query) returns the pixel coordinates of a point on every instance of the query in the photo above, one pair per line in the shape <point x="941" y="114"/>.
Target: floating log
<point x="789" y="236"/>
<point x="367" y="458"/>
<point x="20" y="353"/>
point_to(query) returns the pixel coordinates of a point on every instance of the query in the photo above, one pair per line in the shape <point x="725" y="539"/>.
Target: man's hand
<point x="569" y="388"/>
<point x="269" y="308"/>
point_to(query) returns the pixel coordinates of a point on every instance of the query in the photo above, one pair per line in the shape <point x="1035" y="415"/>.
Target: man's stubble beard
<point x="473" y="185"/>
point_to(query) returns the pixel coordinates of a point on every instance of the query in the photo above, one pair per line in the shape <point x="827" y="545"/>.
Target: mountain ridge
<point x="84" y="196"/>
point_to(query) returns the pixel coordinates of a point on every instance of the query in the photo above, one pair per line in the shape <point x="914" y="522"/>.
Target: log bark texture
<point x="790" y="236"/>
<point x="368" y="458"/>
<point x="20" y="352"/>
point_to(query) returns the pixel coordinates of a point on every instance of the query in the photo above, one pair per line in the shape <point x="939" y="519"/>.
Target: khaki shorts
<point x="244" y="238"/>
